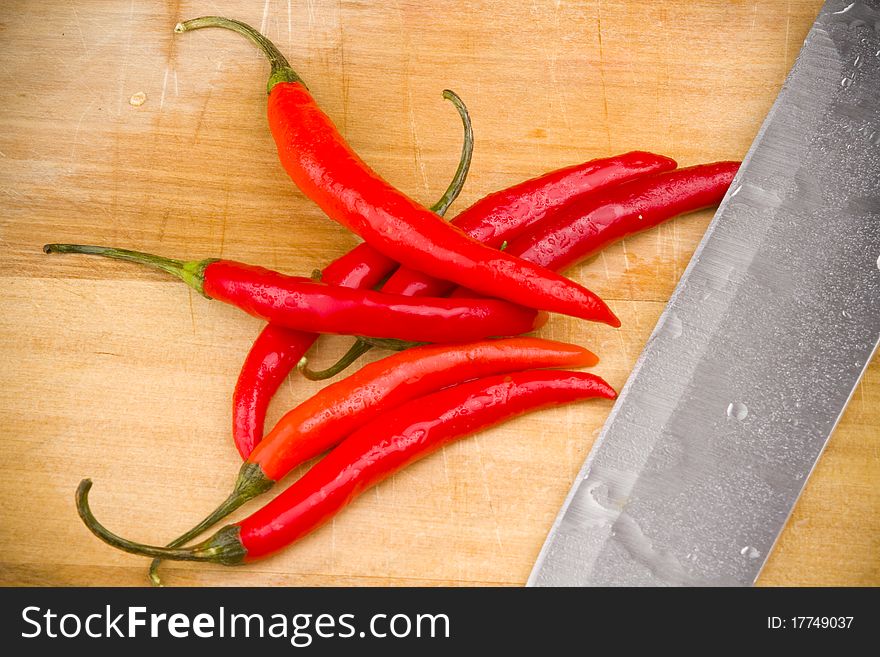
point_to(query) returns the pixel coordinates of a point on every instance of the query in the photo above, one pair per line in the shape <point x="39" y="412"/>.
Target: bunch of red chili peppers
<point x="442" y="295"/>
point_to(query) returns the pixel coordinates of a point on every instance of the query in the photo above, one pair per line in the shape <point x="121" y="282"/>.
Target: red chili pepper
<point x="303" y="304"/>
<point x="586" y="227"/>
<point x="278" y="349"/>
<point x="501" y="216"/>
<point x="375" y="451"/>
<point x="274" y="353"/>
<point x="329" y="172"/>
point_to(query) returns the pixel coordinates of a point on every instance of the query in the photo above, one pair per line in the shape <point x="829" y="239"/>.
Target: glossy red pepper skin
<point x="392" y="441"/>
<point x="585" y="228"/>
<point x="373" y="452"/>
<point x="321" y="421"/>
<point x="362" y="267"/>
<point x="273" y="354"/>
<point x="507" y="214"/>
<point x="278" y="349"/>
<point x="496" y="218"/>
<point x="329" y="172"/>
<point x="302" y="304"/>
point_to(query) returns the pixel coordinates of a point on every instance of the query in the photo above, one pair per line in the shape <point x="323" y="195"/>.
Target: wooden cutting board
<point x="116" y="373"/>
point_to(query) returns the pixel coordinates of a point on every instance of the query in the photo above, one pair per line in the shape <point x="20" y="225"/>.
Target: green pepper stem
<point x="223" y="547"/>
<point x="281" y="70"/>
<point x="229" y="505"/>
<point x="190" y="272"/>
<point x="358" y="349"/>
<point x="250" y="483"/>
<point x="360" y="346"/>
<point x="392" y="344"/>
<point x="464" y="162"/>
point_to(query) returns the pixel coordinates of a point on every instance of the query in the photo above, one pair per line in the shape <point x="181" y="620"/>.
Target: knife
<point x="751" y="364"/>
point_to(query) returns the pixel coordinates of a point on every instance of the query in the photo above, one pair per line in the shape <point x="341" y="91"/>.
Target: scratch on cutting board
<point x="476" y="443"/>
<point x="310" y="6"/>
<point x="417" y="145"/>
<point x="554" y="78"/>
<point x="344" y="75"/>
<point x="605" y="265"/>
<point x="164" y="225"/>
<point x="619" y="335"/>
<point x="787" y="30"/>
<point x="76" y="133"/>
<point x="125" y="59"/>
<point x="202" y="114"/>
<point x="79" y="29"/>
<point x="674" y="229"/>
<point x="116" y="169"/>
<point x="225" y="218"/>
<point x="192" y="312"/>
<point x="658" y="242"/>
<point x="602" y="72"/>
<point x="668" y="95"/>
<point x="445" y="463"/>
<point x="71" y="289"/>
<point x="625" y="255"/>
<point x="108" y="353"/>
<point x="164" y="86"/>
<point x="289" y="25"/>
<point x="265" y="22"/>
<point x="754" y="18"/>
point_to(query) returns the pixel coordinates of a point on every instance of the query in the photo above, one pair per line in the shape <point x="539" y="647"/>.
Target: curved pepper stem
<point x="393" y="344"/>
<point x="464" y="162"/>
<point x="250" y="483"/>
<point x="281" y="70"/>
<point x="224" y="547"/>
<point x="191" y="272"/>
<point x="358" y="349"/>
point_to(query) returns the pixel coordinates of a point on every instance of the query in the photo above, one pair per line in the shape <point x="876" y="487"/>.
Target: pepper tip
<point x="82" y="493"/>
<point x="611" y="319"/>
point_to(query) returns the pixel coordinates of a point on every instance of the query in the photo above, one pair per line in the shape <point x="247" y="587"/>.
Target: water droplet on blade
<point x="737" y="410"/>
<point x="750" y="552"/>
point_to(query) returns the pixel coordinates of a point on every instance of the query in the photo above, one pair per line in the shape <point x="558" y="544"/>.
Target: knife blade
<point x="752" y="362"/>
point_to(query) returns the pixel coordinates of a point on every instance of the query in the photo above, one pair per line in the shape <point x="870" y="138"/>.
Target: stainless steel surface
<point x="751" y="364"/>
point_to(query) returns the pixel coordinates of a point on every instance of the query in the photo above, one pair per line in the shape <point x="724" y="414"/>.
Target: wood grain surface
<point x="119" y="374"/>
